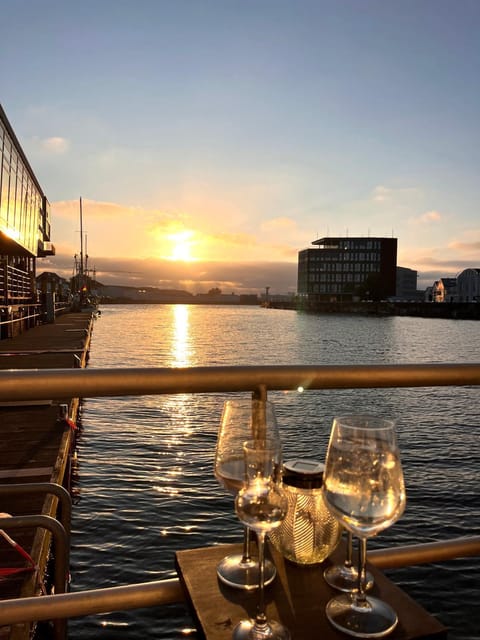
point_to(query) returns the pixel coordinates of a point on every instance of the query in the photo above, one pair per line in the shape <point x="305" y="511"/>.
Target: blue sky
<point x="212" y="140"/>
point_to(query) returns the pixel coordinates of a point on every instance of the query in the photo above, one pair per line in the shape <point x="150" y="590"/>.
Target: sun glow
<point x="181" y="246"/>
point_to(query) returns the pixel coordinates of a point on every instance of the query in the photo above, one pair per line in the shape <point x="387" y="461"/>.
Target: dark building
<point x="407" y="285"/>
<point x="347" y="269"/>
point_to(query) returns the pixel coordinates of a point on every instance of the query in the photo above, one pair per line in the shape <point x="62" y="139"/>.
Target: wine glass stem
<point x="361" y="595"/>
<point x="246" y="545"/>
<point x="348" y="558"/>
<point x="261" y="618"/>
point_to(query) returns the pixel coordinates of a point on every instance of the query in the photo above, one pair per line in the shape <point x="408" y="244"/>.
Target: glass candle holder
<point x="309" y="533"/>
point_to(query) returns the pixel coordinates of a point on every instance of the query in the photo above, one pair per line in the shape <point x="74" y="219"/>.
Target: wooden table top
<point x="297" y="598"/>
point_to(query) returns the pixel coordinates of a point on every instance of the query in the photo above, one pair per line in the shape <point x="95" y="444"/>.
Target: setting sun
<point x="181" y="246"/>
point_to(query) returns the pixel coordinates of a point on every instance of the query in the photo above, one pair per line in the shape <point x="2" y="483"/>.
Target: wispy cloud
<point x="93" y="209"/>
<point x="382" y="193"/>
<point x="465" y="247"/>
<point x="427" y="217"/>
<point x="55" y="145"/>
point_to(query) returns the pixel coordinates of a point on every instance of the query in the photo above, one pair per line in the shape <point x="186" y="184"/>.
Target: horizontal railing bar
<point x="407" y="556"/>
<point x="161" y="592"/>
<point x="82" y="603"/>
<point x="48" y="383"/>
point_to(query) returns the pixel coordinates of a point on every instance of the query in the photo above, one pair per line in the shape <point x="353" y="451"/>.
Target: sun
<point x="181" y="246"/>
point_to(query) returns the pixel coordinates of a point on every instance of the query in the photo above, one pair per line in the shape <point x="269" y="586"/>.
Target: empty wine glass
<point x="262" y="505"/>
<point x="242" y="419"/>
<point x="364" y="487"/>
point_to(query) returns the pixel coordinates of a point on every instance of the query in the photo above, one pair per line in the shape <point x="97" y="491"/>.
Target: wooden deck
<point x="35" y="445"/>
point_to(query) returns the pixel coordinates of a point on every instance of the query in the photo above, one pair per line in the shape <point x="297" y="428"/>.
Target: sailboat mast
<point x="81" y="244"/>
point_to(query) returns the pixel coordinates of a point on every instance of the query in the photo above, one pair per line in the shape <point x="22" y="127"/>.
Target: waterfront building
<point x="444" y="290"/>
<point x="348" y="269"/>
<point x="468" y="286"/>
<point x="24" y="233"/>
<point x="407" y="285"/>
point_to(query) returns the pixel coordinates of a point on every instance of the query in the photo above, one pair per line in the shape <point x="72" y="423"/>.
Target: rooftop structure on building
<point x="347" y="269"/>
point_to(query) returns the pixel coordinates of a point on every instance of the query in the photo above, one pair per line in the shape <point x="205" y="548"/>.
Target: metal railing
<point x="26" y="312"/>
<point x="48" y="383"/>
<point x="34" y="385"/>
<point x="17" y="284"/>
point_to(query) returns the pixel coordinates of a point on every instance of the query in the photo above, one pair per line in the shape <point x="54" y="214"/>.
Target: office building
<point x="347" y="269"/>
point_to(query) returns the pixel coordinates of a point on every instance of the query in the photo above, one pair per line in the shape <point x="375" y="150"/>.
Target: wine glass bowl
<point x="242" y="419"/>
<point x="364" y="488"/>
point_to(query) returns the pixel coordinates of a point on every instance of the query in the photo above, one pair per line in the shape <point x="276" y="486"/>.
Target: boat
<point x="84" y="297"/>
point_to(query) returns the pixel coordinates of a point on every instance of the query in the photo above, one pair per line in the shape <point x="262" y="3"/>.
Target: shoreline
<point x="432" y="310"/>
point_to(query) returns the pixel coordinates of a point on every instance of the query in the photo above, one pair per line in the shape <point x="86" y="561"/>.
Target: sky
<point x="212" y="140"/>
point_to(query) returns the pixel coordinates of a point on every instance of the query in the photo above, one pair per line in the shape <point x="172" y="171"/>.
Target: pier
<point x="37" y="446"/>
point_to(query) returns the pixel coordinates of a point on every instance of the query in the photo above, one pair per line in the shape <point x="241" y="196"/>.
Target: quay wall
<point x="451" y="310"/>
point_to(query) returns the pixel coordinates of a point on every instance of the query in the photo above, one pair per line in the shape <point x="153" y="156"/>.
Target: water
<point x="145" y="479"/>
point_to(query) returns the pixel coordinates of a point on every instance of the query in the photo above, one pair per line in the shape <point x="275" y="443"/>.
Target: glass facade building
<point x="347" y="269"/>
<point x="24" y="209"/>
<point x="24" y="235"/>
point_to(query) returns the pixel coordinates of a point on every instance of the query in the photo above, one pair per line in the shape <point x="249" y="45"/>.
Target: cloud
<point x="92" y="209"/>
<point x="427" y="217"/>
<point x="381" y="194"/>
<point x="55" y="145"/>
<point x="196" y="277"/>
<point x="465" y="247"/>
<point x="400" y="195"/>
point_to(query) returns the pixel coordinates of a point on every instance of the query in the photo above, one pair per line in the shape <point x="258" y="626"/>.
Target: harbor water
<point x="144" y="484"/>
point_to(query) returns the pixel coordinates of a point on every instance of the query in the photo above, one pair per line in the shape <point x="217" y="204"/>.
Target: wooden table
<point x="297" y="597"/>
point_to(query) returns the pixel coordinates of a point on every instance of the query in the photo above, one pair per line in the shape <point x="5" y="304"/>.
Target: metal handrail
<point x="48" y="383"/>
<point x="47" y="488"/>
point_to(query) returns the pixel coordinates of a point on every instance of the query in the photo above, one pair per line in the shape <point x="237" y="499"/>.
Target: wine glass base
<point x="344" y="578"/>
<point x="236" y="573"/>
<point x="373" y="619"/>
<point x="271" y="630"/>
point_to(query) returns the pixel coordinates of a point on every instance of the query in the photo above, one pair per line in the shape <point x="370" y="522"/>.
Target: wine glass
<point x="344" y="577"/>
<point x="261" y="504"/>
<point x="242" y="419"/>
<point x="364" y="487"/>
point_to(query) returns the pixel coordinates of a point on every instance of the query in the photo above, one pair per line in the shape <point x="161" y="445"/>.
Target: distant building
<point x="346" y="269"/>
<point x="49" y="282"/>
<point x="468" y="286"/>
<point x="124" y="293"/>
<point x="407" y="285"/>
<point x="444" y="290"/>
